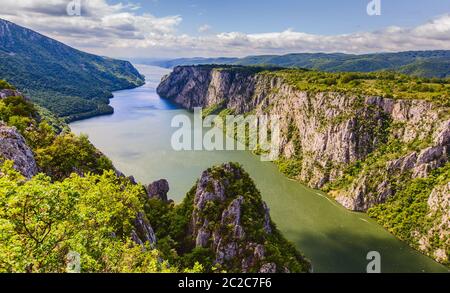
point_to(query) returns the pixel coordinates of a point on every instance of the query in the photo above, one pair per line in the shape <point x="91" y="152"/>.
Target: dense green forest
<point x="383" y="84"/>
<point x="70" y="83"/>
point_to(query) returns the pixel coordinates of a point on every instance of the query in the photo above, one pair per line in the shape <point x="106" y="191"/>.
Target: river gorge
<point x="137" y="138"/>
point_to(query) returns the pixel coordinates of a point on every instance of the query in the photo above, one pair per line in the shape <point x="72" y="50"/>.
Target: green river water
<point x="137" y="137"/>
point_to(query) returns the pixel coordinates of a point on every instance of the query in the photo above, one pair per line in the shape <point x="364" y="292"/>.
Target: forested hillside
<point x="70" y="83"/>
<point x="419" y="63"/>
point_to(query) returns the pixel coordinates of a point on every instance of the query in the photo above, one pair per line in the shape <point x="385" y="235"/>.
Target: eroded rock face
<point x="184" y="89"/>
<point x="226" y="221"/>
<point x="13" y="147"/>
<point x="268" y="268"/>
<point x="418" y="164"/>
<point x="439" y="217"/>
<point x="158" y="190"/>
<point x="325" y="133"/>
<point x="143" y="232"/>
<point x="329" y="131"/>
<point x="5" y="93"/>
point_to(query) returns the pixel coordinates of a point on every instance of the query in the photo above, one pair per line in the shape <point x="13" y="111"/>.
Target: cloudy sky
<point x="187" y="28"/>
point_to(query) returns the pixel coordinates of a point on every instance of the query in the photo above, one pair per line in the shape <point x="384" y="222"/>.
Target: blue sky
<point x="326" y="17"/>
<point x="211" y="28"/>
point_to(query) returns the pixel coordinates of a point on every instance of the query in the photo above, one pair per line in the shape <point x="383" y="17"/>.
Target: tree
<point x="69" y="154"/>
<point x="41" y="222"/>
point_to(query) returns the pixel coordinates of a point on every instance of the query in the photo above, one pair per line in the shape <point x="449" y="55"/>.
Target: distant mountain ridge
<point x="71" y="83"/>
<point x="419" y="63"/>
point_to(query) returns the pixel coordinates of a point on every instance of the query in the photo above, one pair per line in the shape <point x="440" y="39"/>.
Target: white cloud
<point x="432" y="35"/>
<point x="121" y="30"/>
<point x="438" y="29"/>
<point x="101" y="25"/>
<point x="204" y="28"/>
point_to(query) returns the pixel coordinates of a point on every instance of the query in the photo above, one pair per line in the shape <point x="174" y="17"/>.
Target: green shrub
<point x="69" y="154"/>
<point x="41" y="222"/>
<point x="16" y="106"/>
<point x="5" y="85"/>
<point x="385" y="84"/>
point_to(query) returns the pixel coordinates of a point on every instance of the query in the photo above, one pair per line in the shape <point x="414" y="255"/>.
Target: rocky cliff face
<point x="323" y="132"/>
<point x="439" y="217"/>
<point x="230" y="218"/>
<point x="158" y="190"/>
<point x="362" y="150"/>
<point x="14" y="148"/>
<point x="5" y="93"/>
<point x="425" y="139"/>
<point x="143" y="232"/>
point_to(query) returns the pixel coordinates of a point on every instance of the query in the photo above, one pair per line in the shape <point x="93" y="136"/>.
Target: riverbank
<point x="137" y="139"/>
<point x="373" y="146"/>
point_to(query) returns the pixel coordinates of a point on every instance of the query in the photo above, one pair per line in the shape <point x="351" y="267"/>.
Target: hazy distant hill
<point x="436" y="67"/>
<point x="187" y="61"/>
<point x="421" y="63"/>
<point x="69" y="82"/>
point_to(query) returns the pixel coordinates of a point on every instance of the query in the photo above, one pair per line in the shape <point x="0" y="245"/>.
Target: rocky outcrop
<point x="324" y="132"/>
<point x="158" y="190"/>
<point x="435" y="241"/>
<point x="5" y="93"/>
<point x="235" y="224"/>
<point x="143" y="233"/>
<point x="429" y="158"/>
<point x="13" y="147"/>
<point x="361" y="195"/>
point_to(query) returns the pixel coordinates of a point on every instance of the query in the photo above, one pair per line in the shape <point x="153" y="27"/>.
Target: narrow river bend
<point x="137" y="139"/>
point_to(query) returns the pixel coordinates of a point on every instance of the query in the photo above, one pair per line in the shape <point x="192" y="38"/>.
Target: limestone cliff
<point x="325" y="131"/>
<point x="13" y="147"/>
<point x="230" y="218"/>
<point x="360" y="148"/>
<point x="439" y="216"/>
